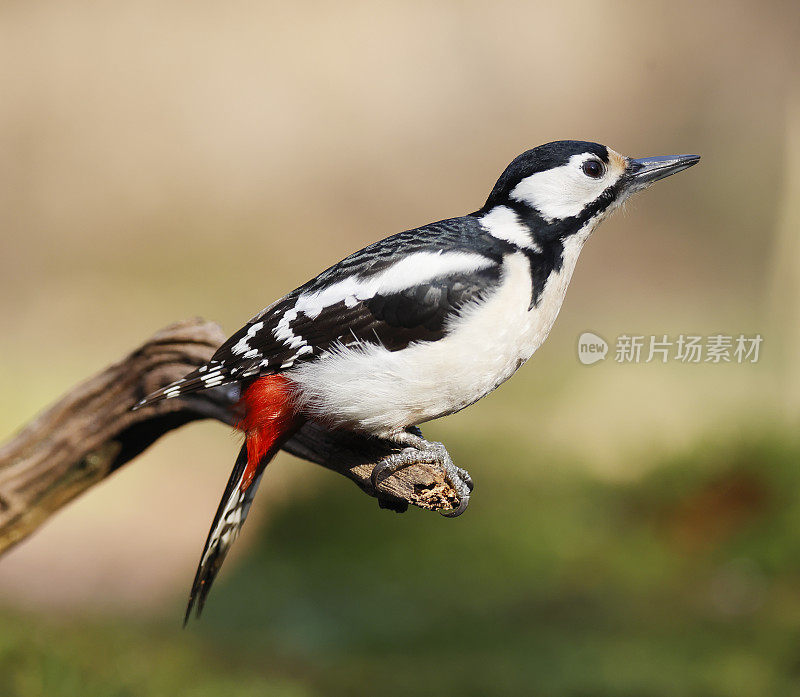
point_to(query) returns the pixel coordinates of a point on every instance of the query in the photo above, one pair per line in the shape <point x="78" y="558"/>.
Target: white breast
<point x="381" y="392"/>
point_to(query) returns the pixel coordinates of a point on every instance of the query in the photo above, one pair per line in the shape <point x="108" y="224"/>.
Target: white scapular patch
<point x="563" y="192"/>
<point x="378" y="391"/>
<point x="503" y="223"/>
<point x="409" y="271"/>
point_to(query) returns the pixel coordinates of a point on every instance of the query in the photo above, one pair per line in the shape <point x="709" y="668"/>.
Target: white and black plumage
<point x="420" y="324"/>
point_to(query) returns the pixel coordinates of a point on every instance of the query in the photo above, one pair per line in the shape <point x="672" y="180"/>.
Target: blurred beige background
<point x="165" y="159"/>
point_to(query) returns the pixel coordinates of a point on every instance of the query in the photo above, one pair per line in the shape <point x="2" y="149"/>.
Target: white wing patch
<point x="409" y="271"/>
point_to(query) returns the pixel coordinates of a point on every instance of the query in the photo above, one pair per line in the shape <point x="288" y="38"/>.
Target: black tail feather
<point x="228" y="521"/>
<point x="191" y="383"/>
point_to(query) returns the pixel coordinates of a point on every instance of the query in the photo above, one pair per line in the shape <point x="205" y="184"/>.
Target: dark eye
<point x="593" y="169"/>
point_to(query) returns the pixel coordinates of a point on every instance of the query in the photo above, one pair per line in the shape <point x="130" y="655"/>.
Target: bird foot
<point x="426" y="452"/>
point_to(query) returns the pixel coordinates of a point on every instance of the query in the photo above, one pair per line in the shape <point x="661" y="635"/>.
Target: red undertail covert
<point x="269" y="419"/>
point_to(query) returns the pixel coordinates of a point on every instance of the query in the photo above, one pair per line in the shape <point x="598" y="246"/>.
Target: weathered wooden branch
<point x="91" y="432"/>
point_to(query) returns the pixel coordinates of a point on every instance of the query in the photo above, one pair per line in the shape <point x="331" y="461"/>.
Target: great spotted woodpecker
<point x="416" y="326"/>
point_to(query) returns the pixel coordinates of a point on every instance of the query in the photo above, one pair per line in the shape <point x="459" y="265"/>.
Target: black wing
<point x="285" y="334"/>
<point x="394" y="320"/>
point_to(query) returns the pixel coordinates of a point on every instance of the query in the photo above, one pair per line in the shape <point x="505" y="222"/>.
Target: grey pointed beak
<point x="646" y="170"/>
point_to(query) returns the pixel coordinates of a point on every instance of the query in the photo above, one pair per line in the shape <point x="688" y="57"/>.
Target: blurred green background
<point x="635" y="529"/>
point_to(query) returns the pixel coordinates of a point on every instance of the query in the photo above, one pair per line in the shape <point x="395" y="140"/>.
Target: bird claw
<point x="394" y="463"/>
<point x="460" y="480"/>
<point x="430" y="453"/>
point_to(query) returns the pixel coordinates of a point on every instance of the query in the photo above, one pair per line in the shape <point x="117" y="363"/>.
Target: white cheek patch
<point x="562" y="192"/>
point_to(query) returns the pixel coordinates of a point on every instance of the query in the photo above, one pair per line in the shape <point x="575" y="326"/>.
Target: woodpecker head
<point x="568" y="186"/>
